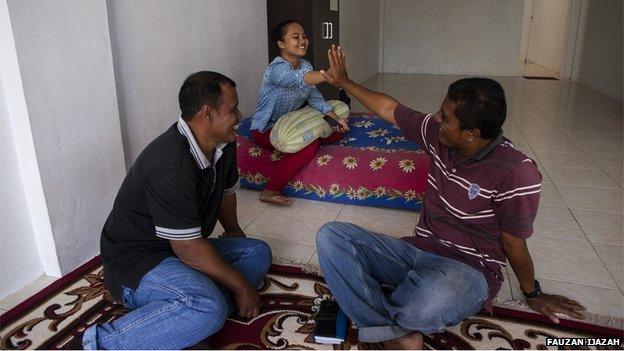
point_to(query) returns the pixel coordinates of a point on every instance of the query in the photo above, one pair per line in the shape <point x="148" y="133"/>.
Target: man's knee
<point x="426" y="318"/>
<point x="329" y="236"/>
<point x="258" y="248"/>
<point x="433" y="313"/>
<point x="262" y="250"/>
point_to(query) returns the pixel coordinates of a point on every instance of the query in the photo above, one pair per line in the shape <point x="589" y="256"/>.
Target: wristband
<point x="537" y="292"/>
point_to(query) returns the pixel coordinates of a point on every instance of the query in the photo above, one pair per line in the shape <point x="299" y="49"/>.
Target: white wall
<point x="157" y="44"/>
<point x="17" y="238"/>
<point x="25" y="230"/>
<point x="547" y="39"/>
<point x="63" y="49"/>
<point x="452" y="36"/>
<point x="598" y="59"/>
<point x="359" y="36"/>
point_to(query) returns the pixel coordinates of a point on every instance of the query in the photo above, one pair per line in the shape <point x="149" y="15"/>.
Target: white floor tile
<point x="613" y="257"/>
<point x="569" y="261"/>
<point x="298" y="222"/>
<point x="584" y="136"/>
<point x="609" y="200"/>
<point x="600" y="226"/>
<point x="248" y="206"/>
<point x="314" y="259"/>
<point x="289" y="251"/>
<point x="396" y="223"/>
<point x="504" y="294"/>
<point x="563" y="159"/>
<point x="613" y="166"/>
<point x="26" y="292"/>
<point x="596" y="178"/>
<point x="557" y="222"/>
<point x="550" y="196"/>
<point x="533" y="69"/>
<point x="601" y="149"/>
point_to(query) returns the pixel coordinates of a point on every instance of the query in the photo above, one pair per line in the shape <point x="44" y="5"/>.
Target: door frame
<point x="570" y="37"/>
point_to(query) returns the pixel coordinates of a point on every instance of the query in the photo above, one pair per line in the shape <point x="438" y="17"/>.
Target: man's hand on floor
<point x="549" y="304"/>
<point x="247" y="301"/>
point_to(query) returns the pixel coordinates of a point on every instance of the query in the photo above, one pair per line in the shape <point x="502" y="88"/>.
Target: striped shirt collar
<point x="481" y="153"/>
<point x="201" y="159"/>
<point x="488" y="148"/>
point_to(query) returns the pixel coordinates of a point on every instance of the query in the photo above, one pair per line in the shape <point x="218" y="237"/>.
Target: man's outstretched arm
<point x="380" y="104"/>
<point x="522" y="264"/>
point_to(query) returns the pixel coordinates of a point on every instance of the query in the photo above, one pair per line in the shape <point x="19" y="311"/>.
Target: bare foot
<point x="412" y="341"/>
<point x="275" y="197"/>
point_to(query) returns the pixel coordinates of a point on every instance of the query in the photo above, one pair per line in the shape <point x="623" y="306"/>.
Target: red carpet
<point x="56" y="317"/>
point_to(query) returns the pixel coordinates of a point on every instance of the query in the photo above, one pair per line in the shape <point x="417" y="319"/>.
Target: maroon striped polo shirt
<point x="469" y="201"/>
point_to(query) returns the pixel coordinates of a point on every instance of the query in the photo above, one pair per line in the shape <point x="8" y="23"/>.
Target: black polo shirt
<point x="172" y="192"/>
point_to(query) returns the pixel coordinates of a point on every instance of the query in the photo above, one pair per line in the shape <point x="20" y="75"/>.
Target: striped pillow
<point x="297" y="129"/>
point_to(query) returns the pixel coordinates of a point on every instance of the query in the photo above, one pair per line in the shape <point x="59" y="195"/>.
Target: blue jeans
<point x="390" y="288"/>
<point x="176" y="306"/>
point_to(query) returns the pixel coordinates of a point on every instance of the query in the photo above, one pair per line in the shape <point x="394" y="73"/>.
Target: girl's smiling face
<point x="294" y="43"/>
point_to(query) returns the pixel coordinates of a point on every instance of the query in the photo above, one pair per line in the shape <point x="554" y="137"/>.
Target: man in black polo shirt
<point x="157" y="257"/>
<point x="481" y="199"/>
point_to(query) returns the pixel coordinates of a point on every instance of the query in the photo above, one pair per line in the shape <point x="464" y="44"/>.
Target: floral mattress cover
<point x="374" y="165"/>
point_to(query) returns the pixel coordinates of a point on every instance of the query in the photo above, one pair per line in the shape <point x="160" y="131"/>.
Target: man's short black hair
<point x="480" y="105"/>
<point x="199" y="89"/>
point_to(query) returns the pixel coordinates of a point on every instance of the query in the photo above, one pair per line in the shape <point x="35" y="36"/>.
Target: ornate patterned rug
<point x="56" y="317"/>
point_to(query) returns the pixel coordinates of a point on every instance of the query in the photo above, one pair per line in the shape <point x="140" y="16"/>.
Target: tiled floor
<point x="535" y="70"/>
<point x="575" y="135"/>
<point x="15" y="299"/>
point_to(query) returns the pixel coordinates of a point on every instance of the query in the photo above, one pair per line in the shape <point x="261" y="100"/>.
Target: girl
<point x="288" y="82"/>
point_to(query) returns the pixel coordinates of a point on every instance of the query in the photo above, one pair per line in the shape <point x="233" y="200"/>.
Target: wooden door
<point x="301" y="11"/>
<point x="327" y="22"/>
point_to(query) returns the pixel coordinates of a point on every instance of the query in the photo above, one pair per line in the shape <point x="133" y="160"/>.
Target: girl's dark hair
<point x="279" y="31"/>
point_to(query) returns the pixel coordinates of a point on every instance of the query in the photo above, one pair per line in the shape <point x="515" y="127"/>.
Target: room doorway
<point x="549" y="30"/>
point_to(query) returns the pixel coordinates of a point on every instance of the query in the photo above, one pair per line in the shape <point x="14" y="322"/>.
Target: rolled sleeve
<point x="170" y="198"/>
<point x="416" y="126"/>
<point x="232" y="190"/>
<point x="232" y="182"/>
<point x="517" y="201"/>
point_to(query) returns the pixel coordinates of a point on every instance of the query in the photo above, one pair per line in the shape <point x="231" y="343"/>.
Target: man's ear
<point x="475" y="134"/>
<point x="472" y="134"/>
<point x="207" y="112"/>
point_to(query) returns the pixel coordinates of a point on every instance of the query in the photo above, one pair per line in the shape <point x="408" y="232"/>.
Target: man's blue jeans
<point x="176" y="306"/>
<point x="390" y="288"/>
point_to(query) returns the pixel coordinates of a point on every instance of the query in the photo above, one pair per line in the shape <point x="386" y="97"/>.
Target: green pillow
<point x="297" y="129"/>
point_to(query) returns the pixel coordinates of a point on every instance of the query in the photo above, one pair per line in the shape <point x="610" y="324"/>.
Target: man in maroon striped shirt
<point x="481" y="199"/>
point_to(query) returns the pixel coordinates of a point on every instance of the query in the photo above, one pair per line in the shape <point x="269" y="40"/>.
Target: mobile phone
<point x="332" y="122"/>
